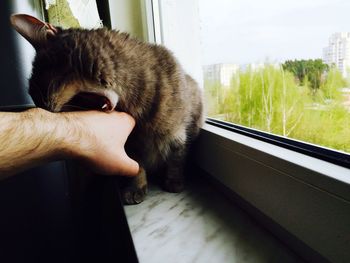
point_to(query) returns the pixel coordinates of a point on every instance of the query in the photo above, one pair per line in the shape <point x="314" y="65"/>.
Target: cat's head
<point x="69" y="71"/>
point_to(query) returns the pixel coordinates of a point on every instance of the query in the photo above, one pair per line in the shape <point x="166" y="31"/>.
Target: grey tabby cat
<point x="108" y="70"/>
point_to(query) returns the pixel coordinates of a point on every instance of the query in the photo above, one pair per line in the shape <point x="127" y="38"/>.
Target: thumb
<point x="127" y="166"/>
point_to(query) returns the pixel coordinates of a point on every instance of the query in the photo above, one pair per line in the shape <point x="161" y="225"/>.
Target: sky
<point x="250" y="31"/>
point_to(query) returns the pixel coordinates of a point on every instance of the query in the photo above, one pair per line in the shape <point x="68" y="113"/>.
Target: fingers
<point x="102" y="143"/>
<point x="122" y="163"/>
<point x="126" y="123"/>
<point x="128" y="166"/>
<point x="130" y="121"/>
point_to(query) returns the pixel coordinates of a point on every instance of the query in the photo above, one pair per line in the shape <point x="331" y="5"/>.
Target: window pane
<point x="72" y="13"/>
<point x="279" y="66"/>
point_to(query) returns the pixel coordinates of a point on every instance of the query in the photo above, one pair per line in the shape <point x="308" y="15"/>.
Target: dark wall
<point x="16" y="55"/>
<point x="34" y="204"/>
<point x="45" y="213"/>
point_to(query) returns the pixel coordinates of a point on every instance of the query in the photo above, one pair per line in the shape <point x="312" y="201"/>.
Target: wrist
<point x="54" y="132"/>
<point x="74" y="136"/>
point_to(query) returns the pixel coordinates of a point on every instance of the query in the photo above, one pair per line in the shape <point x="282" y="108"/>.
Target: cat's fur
<point x="142" y="79"/>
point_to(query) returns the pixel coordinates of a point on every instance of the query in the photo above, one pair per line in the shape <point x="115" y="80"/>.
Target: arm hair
<point x="30" y="138"/>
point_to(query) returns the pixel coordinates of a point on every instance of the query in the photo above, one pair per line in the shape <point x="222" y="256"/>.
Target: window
<point x="306" y="196"/>
<point x="68" y="13"/>
<point x="279" y="67"/>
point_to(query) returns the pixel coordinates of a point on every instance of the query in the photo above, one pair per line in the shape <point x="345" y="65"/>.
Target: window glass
<point x="73" y="13"/>
<point x="279" y="66"/>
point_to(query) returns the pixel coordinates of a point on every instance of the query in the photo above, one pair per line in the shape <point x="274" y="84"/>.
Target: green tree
<point x="307" y="71"/>
<point x="272" y="100"/>
<point x="266" y="99"/>
<point x="331" y="86"/>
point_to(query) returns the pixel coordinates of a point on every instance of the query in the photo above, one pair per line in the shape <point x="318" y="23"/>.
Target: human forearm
<point x="28" y="139"/>
<point x="36" y="136"/>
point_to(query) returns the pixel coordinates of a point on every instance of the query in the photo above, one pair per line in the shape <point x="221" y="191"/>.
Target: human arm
<point x="36" y="136"/>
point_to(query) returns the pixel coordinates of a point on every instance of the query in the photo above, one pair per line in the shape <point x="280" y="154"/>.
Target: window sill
<point x="200" y="225"/>
<point x="307" y="197"/>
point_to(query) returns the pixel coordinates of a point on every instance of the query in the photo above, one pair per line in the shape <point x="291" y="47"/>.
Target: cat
<point x="109" y="70"/>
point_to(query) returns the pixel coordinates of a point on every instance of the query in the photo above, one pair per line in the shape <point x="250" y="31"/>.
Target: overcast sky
<point x="246" y="31"/>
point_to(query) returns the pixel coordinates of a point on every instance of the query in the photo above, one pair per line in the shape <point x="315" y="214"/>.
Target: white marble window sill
<point x="199" y="225"/>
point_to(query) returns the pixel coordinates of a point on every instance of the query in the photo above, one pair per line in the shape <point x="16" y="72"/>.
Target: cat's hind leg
<point x="134" y="189"/>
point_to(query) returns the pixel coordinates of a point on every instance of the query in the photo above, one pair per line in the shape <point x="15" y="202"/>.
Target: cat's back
<point x="149" y="72"/>
<point x="124" y="62"/>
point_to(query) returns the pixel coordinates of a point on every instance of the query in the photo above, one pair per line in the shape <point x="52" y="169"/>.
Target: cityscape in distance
<point x="337" y="54"/>
<point x="304" y="99"/>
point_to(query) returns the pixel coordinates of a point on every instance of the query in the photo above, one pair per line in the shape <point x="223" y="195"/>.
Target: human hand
<point x="98" y="140"/>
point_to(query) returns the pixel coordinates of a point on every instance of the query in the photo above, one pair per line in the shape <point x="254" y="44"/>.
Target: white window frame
<point x="308" y="198"/>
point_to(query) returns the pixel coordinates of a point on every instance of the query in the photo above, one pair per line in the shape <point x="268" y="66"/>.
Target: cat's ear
<point x="35" y="31"/>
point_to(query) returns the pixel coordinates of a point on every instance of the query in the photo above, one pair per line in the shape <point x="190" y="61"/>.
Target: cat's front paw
<point x="174" y="185"/>
<point x="134" y="195"/>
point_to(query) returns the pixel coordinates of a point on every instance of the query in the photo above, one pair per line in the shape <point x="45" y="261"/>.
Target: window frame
<point x="308" y="198"/>
<point x="313" y="150"/>
<point x="315" y="192"/>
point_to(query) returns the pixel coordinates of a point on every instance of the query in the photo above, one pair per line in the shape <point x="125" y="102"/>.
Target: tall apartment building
<point x="338" y="52"/>
<point x="220" y="72"/>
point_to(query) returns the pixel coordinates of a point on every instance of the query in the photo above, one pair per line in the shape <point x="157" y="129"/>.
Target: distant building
<point x="338" y="52"/>
<point x="256" y="66"/>
<point x="220" y="72"/>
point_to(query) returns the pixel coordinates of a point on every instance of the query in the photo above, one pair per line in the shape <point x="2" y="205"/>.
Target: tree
<point x="307" y="71"/>
<point x="272" y="100"/>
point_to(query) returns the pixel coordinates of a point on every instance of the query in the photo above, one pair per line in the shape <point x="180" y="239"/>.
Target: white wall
<point x="126" y="16"/>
